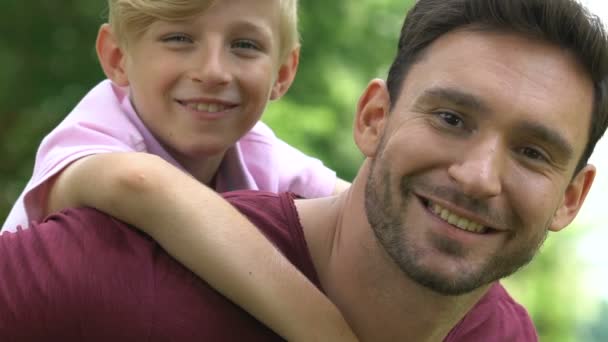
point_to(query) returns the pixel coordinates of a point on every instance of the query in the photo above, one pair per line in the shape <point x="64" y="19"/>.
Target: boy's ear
<point x="111" y="56"/>
<point x="371" y="118"/>
<point x="574" y="196"/>
<point x="286" y="74"/>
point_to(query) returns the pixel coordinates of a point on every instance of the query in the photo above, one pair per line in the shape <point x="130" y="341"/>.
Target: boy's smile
<point x="208" y="108"/>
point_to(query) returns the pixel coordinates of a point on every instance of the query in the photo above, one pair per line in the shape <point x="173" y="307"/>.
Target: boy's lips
<point x="207" y="106"/>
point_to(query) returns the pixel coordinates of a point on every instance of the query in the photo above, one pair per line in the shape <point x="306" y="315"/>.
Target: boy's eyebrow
<point x="253" y="26"/>
<point x="455" y="96"/>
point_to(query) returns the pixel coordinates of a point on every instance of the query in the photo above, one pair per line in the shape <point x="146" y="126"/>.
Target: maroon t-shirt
<point x="82" y="275"/>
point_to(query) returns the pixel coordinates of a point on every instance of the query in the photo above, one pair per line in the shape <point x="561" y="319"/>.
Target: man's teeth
<point x="207" y="107"/>
<point x="456" y="220"/>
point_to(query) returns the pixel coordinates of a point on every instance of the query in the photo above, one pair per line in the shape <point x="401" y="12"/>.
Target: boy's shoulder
<point x="261" y="139"/>
<point x="102" y="103"/>
<point x="261" y="133"/>
<point x="103" y="117"/>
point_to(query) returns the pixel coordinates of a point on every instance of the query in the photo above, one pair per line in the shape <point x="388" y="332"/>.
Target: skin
<point x="466" y="136"/>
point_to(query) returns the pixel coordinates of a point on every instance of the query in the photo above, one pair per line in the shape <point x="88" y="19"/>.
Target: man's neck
<point x="376" y="298"/>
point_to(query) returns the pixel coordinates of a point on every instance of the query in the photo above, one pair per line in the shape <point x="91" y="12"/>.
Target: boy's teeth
<point x="207" y="107"/>
<point x="456" y="220"/>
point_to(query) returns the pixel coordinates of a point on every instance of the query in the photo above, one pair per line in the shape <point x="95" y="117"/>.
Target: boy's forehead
<point x="258" y="15"/>
<point x="219" y="14"/>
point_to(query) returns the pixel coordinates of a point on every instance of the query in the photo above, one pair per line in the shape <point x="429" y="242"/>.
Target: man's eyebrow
<point x="551" y="137"/>
<point x="467" y="100"/>
<point x="455" y="96"/>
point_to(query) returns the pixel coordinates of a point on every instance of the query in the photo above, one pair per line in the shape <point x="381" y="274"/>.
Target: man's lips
<point x="459" y="220"/>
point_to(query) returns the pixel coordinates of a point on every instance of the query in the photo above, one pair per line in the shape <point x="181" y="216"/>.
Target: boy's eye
<point x="177" y="38"/>
<point x="245" y="44"/>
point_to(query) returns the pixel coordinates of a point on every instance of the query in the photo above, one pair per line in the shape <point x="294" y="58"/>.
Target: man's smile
<point x="454" y="219"/>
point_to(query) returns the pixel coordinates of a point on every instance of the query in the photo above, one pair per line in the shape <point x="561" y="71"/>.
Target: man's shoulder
<point x="274" y="215"/>
<point x="496" y="317"/>
<point x="118" y="282"/>
<point x="277" y="218"/>
<point x="251" y="201"/>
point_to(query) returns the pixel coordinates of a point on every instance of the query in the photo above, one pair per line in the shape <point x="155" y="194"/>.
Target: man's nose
<point x="211" y="67"/>
<point x="479" y="170"/>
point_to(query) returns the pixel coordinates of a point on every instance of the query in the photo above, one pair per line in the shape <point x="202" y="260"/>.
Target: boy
<point x="189" y="80"/>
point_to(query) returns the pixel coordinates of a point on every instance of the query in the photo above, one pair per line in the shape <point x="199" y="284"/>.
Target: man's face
<point x="477" y="157"/>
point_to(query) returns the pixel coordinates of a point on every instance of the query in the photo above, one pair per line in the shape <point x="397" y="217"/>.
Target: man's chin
<point x="448" y="285"/>
<point x="444" y="275"/>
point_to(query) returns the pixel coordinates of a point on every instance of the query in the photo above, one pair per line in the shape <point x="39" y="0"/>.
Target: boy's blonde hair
<point x="130" y="18"/>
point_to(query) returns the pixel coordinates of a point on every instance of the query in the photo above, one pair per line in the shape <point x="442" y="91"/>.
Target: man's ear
<point x="372" y="115"/>
<point x="111" y="56"/>
<point x="286" y="74"/>
<point x="574" y="196"/>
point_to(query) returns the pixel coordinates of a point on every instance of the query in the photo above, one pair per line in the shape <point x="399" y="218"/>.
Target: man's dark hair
<point x="565" y="23"/>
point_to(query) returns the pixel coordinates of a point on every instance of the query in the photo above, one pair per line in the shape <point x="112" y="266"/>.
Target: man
<point x="476" y="147"/>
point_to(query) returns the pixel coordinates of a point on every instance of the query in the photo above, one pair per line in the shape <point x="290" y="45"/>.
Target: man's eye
<point x="451" y="119"/>
<point x="532" y="153"/>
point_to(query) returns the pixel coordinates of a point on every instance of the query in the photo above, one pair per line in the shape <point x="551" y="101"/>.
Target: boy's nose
<point x="212" y="68"/>
<point x="479" y="170"/>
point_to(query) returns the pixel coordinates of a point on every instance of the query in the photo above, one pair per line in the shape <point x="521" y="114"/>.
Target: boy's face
<point x="200" y="85"/>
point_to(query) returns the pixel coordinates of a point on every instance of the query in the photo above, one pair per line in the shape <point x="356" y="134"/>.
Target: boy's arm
<point x="200" y="229"/>
<point x="341" y="185"/>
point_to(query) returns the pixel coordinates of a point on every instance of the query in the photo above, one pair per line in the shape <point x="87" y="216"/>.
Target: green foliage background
<point x="48" y="63"/>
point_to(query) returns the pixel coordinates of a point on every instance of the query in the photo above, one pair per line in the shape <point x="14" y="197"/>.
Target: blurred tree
<point x="551" y="288"/>
<point x="598" y="330"/>
<point x="344" y="45"/>
<point x="48" y="65"/>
